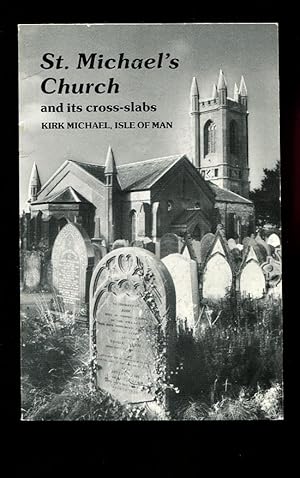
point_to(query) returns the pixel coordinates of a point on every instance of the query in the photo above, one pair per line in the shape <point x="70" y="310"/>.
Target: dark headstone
<point x="170" y="243"/>
<point x="205" y="245"/>
<point x="132" y="320"/>
<point x="72" y="262"/>
<point x="32" y="266"/>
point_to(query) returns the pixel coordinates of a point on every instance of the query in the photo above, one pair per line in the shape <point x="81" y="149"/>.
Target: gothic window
<point x="233" y="137"/>
<point x="133" y="221"/>
<point x="209" y="137"/>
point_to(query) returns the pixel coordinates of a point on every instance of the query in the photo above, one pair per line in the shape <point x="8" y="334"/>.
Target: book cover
<point x="150" y="229"/>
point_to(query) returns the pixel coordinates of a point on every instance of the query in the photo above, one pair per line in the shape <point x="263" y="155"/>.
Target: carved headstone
<point x="185" y="277"/>
<point x="170" y="243"/>
<point x="72" y="264"/>
<point x="32" y="264"/>
<point x="132" y="324"/>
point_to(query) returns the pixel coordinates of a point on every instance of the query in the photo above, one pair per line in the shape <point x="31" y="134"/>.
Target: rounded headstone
<point x="132" y="322"/>
<point x="274" y="240"/>
<point x="72" y="262"/>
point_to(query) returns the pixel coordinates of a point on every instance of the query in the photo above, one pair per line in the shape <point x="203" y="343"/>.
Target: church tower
<point x="222" y="129"/>
<point x="34" y="184"/>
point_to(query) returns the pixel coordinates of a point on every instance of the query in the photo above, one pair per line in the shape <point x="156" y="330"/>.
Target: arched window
<point x="233" y="137"/>
<point x="209" y="137"/>
<point x="133" y="221"/>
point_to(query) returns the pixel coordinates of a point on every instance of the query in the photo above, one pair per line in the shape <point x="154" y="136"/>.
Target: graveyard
<point x="180" y="329"/>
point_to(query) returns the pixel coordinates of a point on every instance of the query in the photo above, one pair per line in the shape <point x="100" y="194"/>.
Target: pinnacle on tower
<point x="236" y="93"/>
<point x="243" y="88"/>
<point x="222" y="85"/>
<point x="194" y="88"/>
<point x="110" y="165"/>
<point x="34" y="183"/>
<point x="214" y="92"/>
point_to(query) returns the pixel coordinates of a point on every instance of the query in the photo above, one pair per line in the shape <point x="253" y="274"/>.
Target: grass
<point x="231" y="370"/>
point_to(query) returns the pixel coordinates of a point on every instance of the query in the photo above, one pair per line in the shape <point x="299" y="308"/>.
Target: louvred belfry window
<point x="209" y="137"/>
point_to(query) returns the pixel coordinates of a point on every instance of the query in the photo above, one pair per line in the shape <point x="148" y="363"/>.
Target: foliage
<point x="230" y="369"/>
<point x="263" y="405"/>
<point x="52" y="347"/>
<point x="244" y="350"/>
<point x="267" y="198"/>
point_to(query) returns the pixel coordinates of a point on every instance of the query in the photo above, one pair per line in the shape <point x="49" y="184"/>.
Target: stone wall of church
<point x="229" y="214"/>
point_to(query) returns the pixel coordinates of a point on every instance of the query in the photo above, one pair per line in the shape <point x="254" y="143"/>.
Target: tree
<point x="267" y="198"/>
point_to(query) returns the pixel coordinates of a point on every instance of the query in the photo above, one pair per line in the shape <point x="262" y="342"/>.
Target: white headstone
<point x="217" y="276"/>
<point x="183" y="271"/>
<point x="252" y="280"/>
<point x="274" y="240"/>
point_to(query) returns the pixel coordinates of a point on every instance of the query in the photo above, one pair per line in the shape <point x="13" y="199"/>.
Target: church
<point x="147" y="199"/>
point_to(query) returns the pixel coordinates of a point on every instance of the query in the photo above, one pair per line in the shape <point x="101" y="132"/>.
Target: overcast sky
<point x="202" y="49"/>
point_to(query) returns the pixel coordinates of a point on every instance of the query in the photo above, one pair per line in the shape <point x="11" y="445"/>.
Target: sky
<point x="250" y="50"/>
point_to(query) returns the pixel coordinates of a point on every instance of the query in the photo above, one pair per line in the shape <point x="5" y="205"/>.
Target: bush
<point x="240" y="351"/>
<point x="52" y="348"/>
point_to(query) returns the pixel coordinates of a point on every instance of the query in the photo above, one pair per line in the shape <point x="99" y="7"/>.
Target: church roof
<point x="94" y="169"/>
<point x="228" y="196"/>
<point x="143" y="174"/>
<point x="67" y="195"/>
<point x="135" y="176"/>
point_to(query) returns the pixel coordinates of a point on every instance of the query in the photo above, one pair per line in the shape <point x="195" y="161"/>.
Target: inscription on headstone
<point x="72" y="263"/>
<point x="132" y="323"/>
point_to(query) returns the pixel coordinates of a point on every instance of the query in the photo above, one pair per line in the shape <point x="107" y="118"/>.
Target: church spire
<point x="214" y="92"/>
<point x="243" y="92"/>
<point x="243" y="88"/>
<point x="110" y="164"/>
<point x="194" y="88"/>
<point x="34" y="183"/>
<point x="222" y="88"/>
<point x="222" y="85"/>
<point x="236" y="93"/>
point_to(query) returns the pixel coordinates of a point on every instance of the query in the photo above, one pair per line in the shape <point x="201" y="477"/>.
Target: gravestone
<point x="32" y="266"/>
<point x="273" y="240"/>
<point x="251" y="278"/>
<point x="170" y="243"/>
<point x="72" y="264"/>
<point x="205" y="245"/>
<point x="185" y="277"/>
<point x="231" y="243"/>
<point x="119" y="243"/>
<point x="132" y="324"/>
<point x="217" y="274"/>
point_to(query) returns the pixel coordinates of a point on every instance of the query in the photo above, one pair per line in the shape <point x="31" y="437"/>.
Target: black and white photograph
<point x="150" y="238"/>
